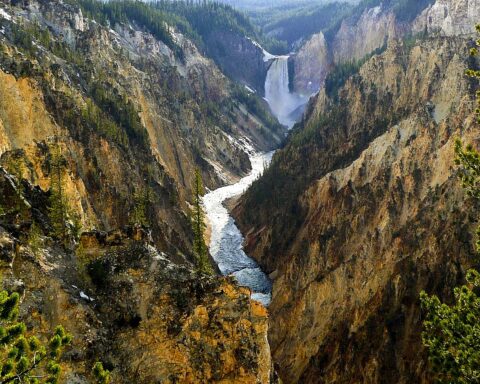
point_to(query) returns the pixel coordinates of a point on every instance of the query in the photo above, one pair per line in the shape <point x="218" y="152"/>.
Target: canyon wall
<point x="129" y="115"/>
<point x="312" y="63"/>
<point x="360" y="211"/>
<point x="124" y="120"/>
<point x="125" y="304"/>
<point x="449" y="17"/>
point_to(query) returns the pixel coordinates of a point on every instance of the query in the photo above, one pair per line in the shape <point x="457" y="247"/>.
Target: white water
<point x="226" y="244"/>
<point x="284" y="104"/>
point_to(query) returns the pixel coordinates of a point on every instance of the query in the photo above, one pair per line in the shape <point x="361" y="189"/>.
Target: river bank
<point x="226" y="240"/>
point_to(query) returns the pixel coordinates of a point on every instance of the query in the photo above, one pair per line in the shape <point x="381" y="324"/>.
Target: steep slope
<point x="364" y="29"/>
<point x="147" y="319"/>
<point x="311" y="64"/>
<point x="131" y="116"/>
<point x="448" y="17"/>
<point x="360" y="211"/>
<point x="107" y="122"/>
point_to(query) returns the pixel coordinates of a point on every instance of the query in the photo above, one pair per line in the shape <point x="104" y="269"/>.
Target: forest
<point x="196" y="20"/>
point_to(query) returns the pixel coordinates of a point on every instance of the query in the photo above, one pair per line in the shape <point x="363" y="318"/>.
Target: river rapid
<point x="226" y="242"/>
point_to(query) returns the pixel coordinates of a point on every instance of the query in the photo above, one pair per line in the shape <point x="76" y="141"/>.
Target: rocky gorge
<point x="111" y="113"/>
<point x="361" y="210"/>
<point x="119" y="120"/>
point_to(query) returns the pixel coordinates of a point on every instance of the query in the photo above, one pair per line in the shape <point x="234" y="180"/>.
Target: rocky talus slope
<point x="361" y="211"/>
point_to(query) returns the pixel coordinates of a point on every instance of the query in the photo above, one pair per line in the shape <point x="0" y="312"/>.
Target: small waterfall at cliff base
<point x="285" y="105"/>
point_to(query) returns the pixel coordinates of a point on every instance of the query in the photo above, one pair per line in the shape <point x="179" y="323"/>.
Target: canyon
<point x="331" y="200"/>
<point x="361" y="209"/>
<point x="131" y="117"/>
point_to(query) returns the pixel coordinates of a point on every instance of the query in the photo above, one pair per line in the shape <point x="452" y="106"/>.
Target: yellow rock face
<point x="385" y="218"/>
<point x="22" y="114"/>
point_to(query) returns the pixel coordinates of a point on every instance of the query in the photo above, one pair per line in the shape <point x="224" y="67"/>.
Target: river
<point x="226" y="242"/>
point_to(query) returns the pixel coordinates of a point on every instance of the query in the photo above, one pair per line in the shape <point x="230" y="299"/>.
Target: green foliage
<point x="97" y="120"/>
<point x="292" y="23"/>
<point x="58" y="203"/>
<point x="102" y="376"/>
<point x="34" y="240"/>
<point x="121" y="110"/>
<point x="135" y="12"/>
<point x="452" y="333"/>
<point x="28" y="37"/>
<point x="339" y="76"/>
<point x="342" y="72"/>
<point x="141" y="204"/>
<point x="25" y="359"/>
<point x="255" y="106"/>
<point x="469" y="160"/>
<point x="404" y="10"/>
<point x="408" y="10"/>
<point x="198" y="225"/>
<point x="475" y="74"/>
<point x="64" y="221"/>
<point x="197" y="20"/>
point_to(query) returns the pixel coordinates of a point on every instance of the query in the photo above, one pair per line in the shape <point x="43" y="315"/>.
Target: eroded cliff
<point x="128" y="114"/>
<point x="368" y="28"/>
<point x="146" y="318"/>
<point x="105" y="124"/>
<point x="360" y="212"/>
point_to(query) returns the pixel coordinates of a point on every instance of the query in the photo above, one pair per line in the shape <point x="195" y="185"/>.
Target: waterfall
<point x="285" y="105"/>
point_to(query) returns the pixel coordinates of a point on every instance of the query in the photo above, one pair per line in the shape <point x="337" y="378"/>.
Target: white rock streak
<point x="226" y="244"/>
<point x="5" y="15"/>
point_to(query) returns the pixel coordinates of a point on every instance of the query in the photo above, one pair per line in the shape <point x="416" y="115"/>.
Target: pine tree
<point x="141" y="202"/>
<point x="198" y="224"/>
<point x="66" y="223"/>
<point x="35" y="238"/>
<point x="102" y="376"/>
<point x="452" y="333"/>
<point x="58" y="206"/>
<point x="24" y="359"/>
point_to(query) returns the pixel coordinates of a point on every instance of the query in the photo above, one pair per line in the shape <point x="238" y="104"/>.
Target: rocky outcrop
<point x="369" y="28"/>
<point x="126" y="304"/>
<point x="145" y="318"/>
<point x="359" y="35"/>
<point x="360" y="212"/>
<point x="357" y="38"/>
<point x="312" y="63"/>
<point x="449" y="17"/>
<point x="240" y="58"/>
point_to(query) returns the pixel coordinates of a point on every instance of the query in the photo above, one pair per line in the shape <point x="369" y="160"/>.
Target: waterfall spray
<point x="283" y="103"/>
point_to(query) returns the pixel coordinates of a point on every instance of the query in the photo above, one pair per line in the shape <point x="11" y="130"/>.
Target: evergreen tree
<point x="452" y="333"/>
<point x="25" y="359"/>
<point x="102" y="376"/>
<point x="141" y="202"/>
<point x="66" y="224"/>
<point x="35" y="238"/>
<point x="198" y="224"/>
<point x="58" y="206"/>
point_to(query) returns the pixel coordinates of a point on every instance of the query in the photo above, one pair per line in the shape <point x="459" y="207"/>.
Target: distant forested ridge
<point x="295" y="21"/>
<point x="195" y="19"/>
<point x="294" y="24"/>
